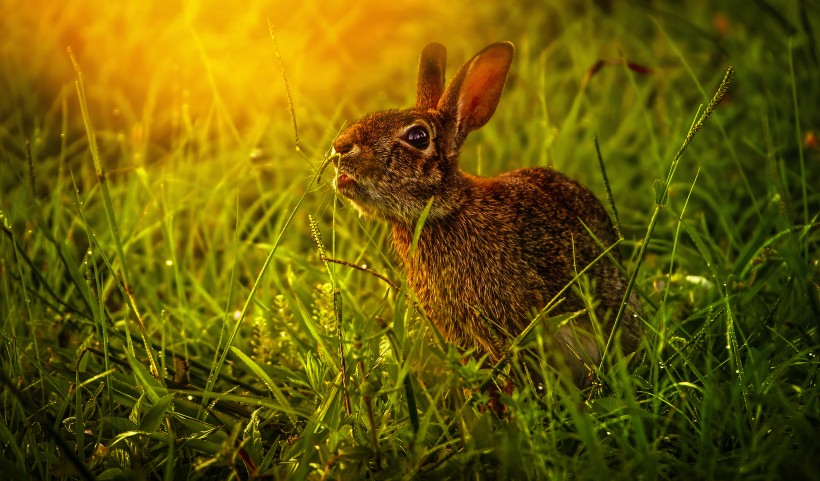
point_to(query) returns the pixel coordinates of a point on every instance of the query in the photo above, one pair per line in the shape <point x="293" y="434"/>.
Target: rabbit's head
<point x="391" y="163"/>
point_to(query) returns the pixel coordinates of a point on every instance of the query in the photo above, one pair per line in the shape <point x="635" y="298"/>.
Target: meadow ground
<point x="165" y="313"/>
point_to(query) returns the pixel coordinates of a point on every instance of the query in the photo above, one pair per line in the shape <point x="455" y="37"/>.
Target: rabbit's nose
<point x="343" y="146"/>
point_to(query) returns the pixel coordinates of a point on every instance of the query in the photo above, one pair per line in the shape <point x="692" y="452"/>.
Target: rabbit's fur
<point x="492" y="250"/>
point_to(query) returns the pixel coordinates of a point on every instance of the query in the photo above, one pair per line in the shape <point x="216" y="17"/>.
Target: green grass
<point x="166" y="314"/>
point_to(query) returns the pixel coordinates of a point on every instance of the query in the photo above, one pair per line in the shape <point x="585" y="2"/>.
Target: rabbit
<point x="492" y="250"/>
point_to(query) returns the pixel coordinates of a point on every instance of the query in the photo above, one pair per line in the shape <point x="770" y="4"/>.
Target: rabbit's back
<point x="553" y="213"/>
<point x="557" y="214"/>
<point x="513" y="243"/>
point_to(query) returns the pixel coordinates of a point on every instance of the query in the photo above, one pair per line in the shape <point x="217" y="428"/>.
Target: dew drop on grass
<point x="236" y="315"/>
<point x="364" y="266"/>
<point x="169" y="262"/>
<point x="190" y="398"/>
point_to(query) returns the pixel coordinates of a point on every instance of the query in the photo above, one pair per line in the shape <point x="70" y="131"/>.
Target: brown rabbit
<point x="492" y="250"/>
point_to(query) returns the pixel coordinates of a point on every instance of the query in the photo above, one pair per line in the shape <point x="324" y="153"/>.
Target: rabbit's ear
<point x="431" y="76"/>
<point x="472" y="96"/>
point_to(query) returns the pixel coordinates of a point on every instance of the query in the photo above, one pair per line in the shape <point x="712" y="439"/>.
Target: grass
<point x="167" y="315"/>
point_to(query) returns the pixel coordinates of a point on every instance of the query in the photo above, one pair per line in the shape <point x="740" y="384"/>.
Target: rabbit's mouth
<point x="344" y="181"/>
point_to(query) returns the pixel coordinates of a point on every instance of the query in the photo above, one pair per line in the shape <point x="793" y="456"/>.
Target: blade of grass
<point x="798" y="134"/>
<point x="661" y="200"/>
<point x="262" y="271"/>
<point x="265" y="378"/>
<point x="729" y="144"/>
<point x="608" y="189"/>
<point x="109" y="209"/>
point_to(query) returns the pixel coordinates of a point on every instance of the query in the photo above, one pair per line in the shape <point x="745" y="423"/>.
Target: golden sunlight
<point x="208" y="54"/>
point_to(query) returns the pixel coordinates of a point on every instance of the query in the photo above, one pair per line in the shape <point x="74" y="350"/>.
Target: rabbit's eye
<point x="418" y="137"/>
